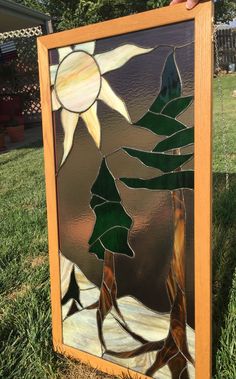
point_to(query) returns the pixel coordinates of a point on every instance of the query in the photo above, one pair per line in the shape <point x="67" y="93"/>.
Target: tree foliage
<point x="225" y="11"/>
<point x="68" y="14"/>
<point x="112" y="222"/>
<point x="161" y="119"/>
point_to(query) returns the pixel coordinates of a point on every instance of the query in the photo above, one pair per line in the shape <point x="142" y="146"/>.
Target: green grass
<point x="25" y="320"/>
<point x="25" y="331"/>
<point x="228" y="85"/>
<point x="224" y="234"/>
<point x="224" y="278"/>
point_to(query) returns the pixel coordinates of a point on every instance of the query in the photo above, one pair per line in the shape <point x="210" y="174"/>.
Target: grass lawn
<point x="229" y="85"/>
<point x="25" y="329"/>
<point x="224" y="235"/>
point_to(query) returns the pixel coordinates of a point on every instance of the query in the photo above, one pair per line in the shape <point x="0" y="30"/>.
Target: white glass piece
<point x="92" y="122"/>
<point x="78" y="81"/>
<point x="55" y="103"/>
<point x="53" y="71"/>
<point x="88" y="47"/>
<point x="65" y="272"/>
<point x="80" y="331"/>
<point x="191" y="371"/>
<point x="112" y="100"/>
<point x="116" y="58"/>
<point x="69" y="121"/>
<point x="63" y="52"/>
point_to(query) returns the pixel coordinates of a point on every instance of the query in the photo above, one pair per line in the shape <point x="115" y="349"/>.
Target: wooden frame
<point x="202" y="16"/>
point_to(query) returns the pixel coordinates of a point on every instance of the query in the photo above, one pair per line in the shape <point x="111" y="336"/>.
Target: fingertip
<point x="174" y="2"/>
<point x="190" y="4"/>
<point x="188" y="7"/>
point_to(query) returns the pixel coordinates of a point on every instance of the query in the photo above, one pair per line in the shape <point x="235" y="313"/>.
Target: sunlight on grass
<point x="229" y="85"/>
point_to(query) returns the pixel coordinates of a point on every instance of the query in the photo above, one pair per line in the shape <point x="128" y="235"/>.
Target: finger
<point x="191" y="4"/>
<point x="173" y="2"/>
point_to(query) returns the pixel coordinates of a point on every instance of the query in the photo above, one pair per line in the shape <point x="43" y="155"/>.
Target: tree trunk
<point x="175" y="351"/>
<point x="108" y="294"/>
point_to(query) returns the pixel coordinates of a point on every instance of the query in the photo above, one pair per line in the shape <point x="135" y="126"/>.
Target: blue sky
<point x="232" y="24"/>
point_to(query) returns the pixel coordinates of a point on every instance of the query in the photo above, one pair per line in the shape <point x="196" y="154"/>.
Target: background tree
<point x="68" y="14"/>
<point x="225" y="11"/>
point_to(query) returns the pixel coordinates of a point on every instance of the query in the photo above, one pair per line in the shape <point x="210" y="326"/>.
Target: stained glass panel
<point x="123" y="129"/>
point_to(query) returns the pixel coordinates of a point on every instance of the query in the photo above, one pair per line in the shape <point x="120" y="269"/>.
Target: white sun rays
<point x="78" y="84"/>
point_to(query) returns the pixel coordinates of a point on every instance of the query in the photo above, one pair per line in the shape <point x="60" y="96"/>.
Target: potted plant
<point x="2" y="138"/>
<point x="15" y="129"/>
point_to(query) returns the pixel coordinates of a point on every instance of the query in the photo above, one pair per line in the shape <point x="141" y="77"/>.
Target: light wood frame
<point x="202" y="16"/>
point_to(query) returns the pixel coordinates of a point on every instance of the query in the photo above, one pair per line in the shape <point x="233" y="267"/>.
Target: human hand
<point x="190" y="4"/>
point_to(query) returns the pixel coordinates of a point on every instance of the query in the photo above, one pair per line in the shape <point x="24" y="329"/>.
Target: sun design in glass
<point x="78" y="84"/>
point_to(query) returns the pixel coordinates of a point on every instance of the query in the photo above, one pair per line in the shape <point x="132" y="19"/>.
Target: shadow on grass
<point x="25" y="150"/>
<point x="224" y="252"/>
<point x="32" y="145"/>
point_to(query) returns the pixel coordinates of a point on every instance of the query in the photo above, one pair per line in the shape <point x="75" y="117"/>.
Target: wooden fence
<point x="226" y="39"/>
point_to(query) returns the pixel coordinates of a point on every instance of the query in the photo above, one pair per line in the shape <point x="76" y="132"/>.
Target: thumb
<point x="191" y="4"/>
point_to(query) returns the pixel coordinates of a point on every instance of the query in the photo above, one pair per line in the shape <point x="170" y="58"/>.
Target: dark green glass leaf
<point x="116" y="240"/>
<point x="170" y="85"/>
<point x="171" y="181"/>
<point x="97" y="249"/>
<point x="104" y="185"/>
<point x="96" y="201"/>
<point x="180" y="139"/>
<point x="160" y="124"/>
<point x="112" y="222"/>
<point x="164" y="162"/>
<point x="177" y="106"/>
<point x="109" y="215"/>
